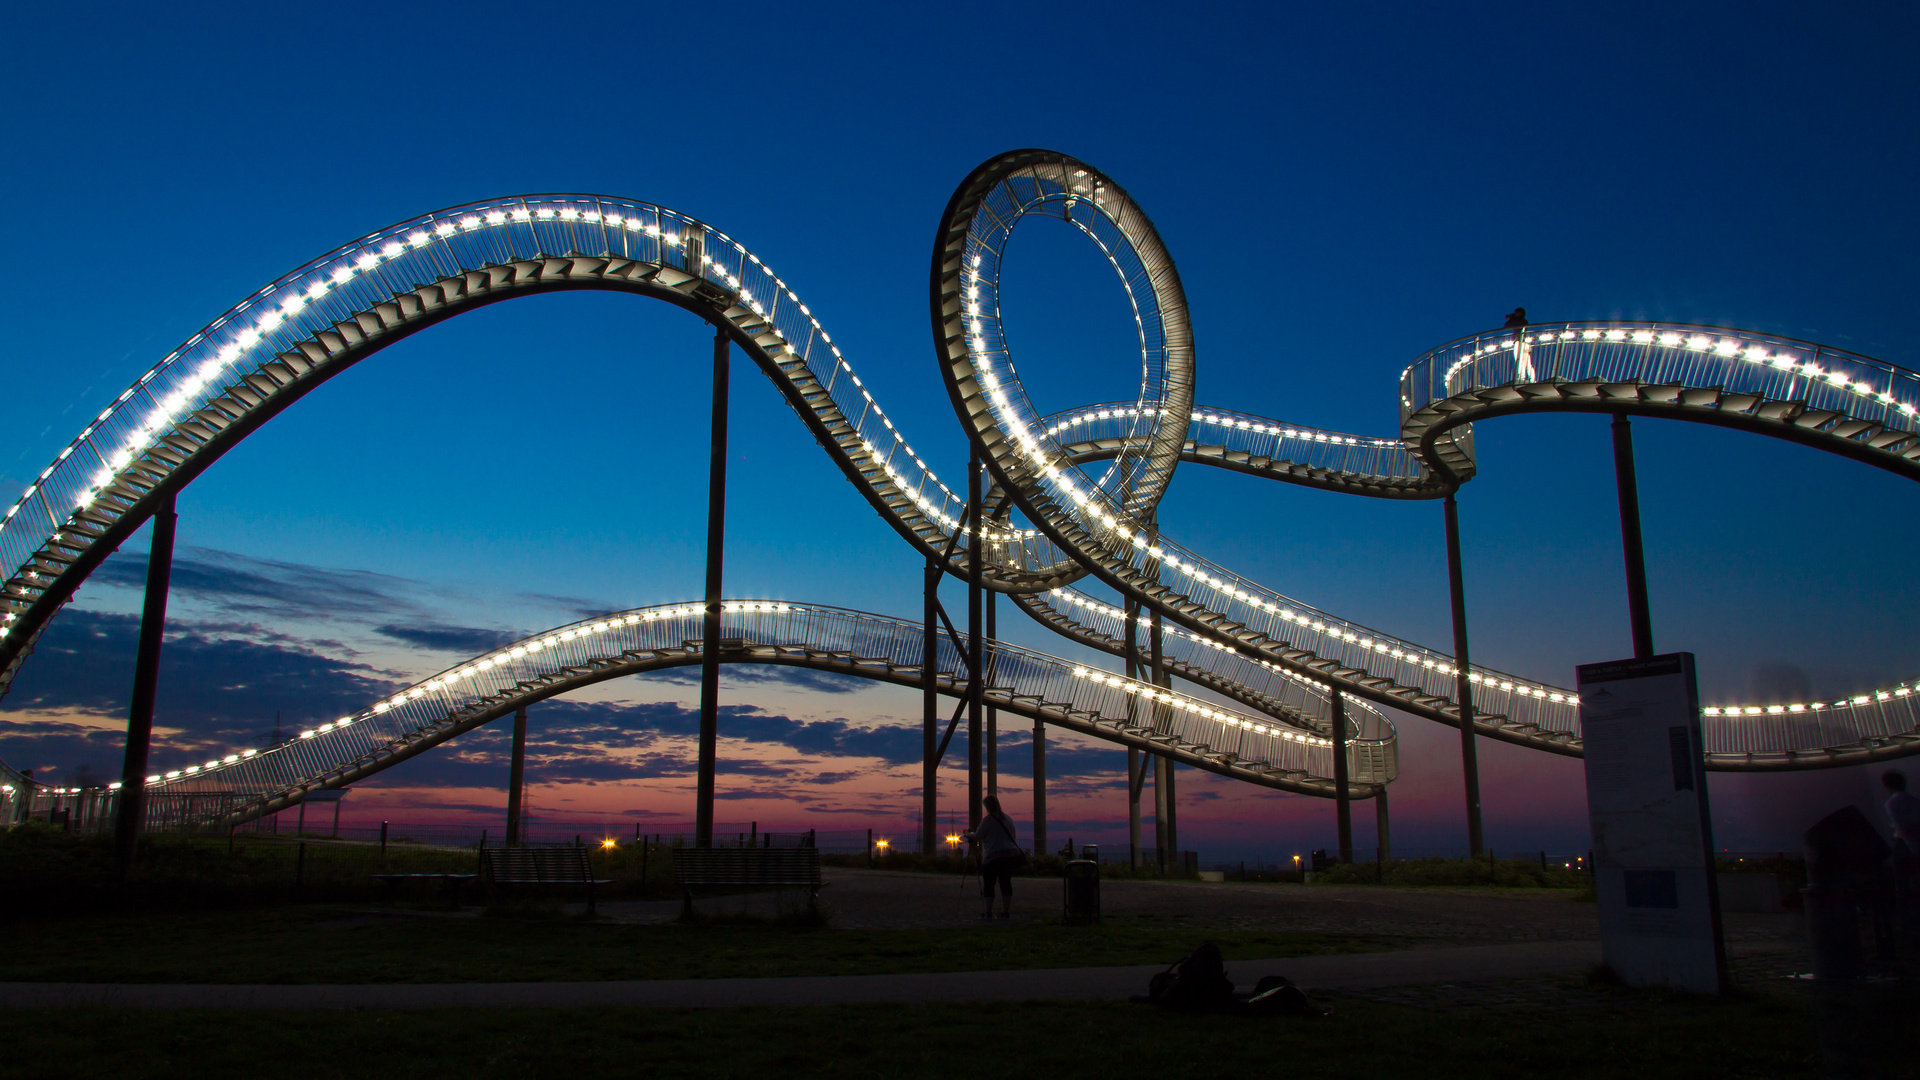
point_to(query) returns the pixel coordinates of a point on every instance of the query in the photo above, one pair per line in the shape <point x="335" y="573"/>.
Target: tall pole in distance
<point x="1162" y="811"/>
<point x="1342" y="803"/>
<point x="930" y="708"/>
<point x="716" y="556"/>
<point x="1167" y="806"/>
<point x="1463" y="682"/>
<point x="1039" y="787"/>
<point x="146" y="681"/>
<point x="993" y="714"/>
<point x="1136" y="769"/>
<point x="516" y="775"/>
<point x="1380" y="824"/>
<point x="1636" y="557"/>
<point x="976" y="691"/>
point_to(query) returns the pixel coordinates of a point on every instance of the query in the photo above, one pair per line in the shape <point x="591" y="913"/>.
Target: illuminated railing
<point x="1842" y="395"/>
<point x="1296" y="700"/>
<point x="1815" y="388"/>
<point x="1019" y="680"/>
<point x="1104" y="528"/>
<point x="321" y="310"/>
<point x="336" y="309"/>
<point x="1288" y="451"/>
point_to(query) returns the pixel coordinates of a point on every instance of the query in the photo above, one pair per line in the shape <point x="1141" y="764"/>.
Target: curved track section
<point x="1020" y="681"/>
<point x="1826" y="398"/>
<point x="314" y="323"/>
<point x="1257" y="446"/>
<point x="1125" y="549"/>
<point x="1295" y="700"/>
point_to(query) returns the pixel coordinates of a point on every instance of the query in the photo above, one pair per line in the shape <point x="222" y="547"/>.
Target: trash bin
<point x="1083" y="890"/>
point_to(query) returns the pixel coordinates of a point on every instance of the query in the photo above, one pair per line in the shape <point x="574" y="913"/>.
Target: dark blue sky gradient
<point x="1342" y="189"/>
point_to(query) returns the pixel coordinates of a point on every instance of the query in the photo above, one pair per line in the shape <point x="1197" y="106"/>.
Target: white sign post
<point x="1652" y="829"/>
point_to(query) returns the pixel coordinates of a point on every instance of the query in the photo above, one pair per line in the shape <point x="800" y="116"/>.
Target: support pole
<point x="1165" y="802"/>
<point x="1629" y="488"/>
<point x="1342" y="801"/>
<point x="1463" y="682"/>
<point x="516" y="775"/>
<point x="1163" y="834"/>
<point x="930" y="706"/>
<point x="1136" y="779"/>
<point x="716" y="557"/>
<point x="1136" y="771"/>
<point x="976" y="687"/>
<point x="146" y="681"/>
<point x="1380" y="824"/>
<point x="1039" y="787"/>
<point x="993" y="714"/>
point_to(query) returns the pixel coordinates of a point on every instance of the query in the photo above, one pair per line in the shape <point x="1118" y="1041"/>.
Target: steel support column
<point x="146" y="681"/>
<point x="1463" y="682"/>
<point x="1342" y="801"/>
<point x="930" y="707"/>
<point x="716" y="557"/>
<point x="1165" y="804"/>
<point x="1636" y="559"/>
<point x="1039" y="787"/>
<point x="516" y="775"/>
<point x="977" y="684"/>
<point x="1136" y="770"/>
<point x="1164" y="837"/>
<point x="1380" y="826"/>
<point x="993" y="714"/>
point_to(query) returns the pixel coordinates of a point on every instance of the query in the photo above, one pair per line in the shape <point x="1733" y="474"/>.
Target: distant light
<point x="609" y="842"/>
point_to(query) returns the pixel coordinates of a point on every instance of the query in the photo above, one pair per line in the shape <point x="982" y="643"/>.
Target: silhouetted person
<point x="1903" y="811"/>
<point x="1522" y="352"/>
<point x="1000" y="856"/>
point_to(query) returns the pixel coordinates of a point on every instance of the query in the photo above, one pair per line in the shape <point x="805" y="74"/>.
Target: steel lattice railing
<point x="289" y="337"/>
<point x="247" y="783"/>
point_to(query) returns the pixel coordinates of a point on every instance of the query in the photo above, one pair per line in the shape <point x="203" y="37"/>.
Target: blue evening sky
<point x="1343" y="187"/>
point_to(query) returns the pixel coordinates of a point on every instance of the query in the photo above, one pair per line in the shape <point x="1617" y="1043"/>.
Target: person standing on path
<point x="1903" y="811"/>
<point x="1522" y="351"/>
<point x="1000" y="856"/>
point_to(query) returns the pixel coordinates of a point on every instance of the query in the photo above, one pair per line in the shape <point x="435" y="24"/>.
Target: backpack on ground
<point x="1197" y="983"/>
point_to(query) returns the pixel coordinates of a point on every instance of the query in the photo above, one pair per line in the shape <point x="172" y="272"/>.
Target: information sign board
<point x="1652" y="827"/>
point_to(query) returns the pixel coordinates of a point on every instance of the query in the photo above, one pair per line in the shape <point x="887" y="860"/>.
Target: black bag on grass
<point x="1197" y="983"/>
<point x="1276" y="995"/>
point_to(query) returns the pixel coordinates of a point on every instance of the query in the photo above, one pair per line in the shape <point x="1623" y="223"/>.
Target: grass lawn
<point x="333" y="944"/>
<point x="1685" y="1038"/>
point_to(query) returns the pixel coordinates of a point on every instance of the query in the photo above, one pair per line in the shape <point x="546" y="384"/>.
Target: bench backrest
<point x="560" y="865"/>
<point x="746" y="866"/>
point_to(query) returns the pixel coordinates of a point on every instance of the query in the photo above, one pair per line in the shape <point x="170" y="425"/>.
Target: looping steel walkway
<point x="1085" y="483"/>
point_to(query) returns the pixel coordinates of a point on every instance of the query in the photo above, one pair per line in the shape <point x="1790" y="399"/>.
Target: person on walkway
<point x="1903" y="810"/>
<point x="1000" y="856"/>
<point x="1522" y="352"/>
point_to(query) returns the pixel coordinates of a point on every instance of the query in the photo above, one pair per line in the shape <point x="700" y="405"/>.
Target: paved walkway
<point x="1345" y="972"/>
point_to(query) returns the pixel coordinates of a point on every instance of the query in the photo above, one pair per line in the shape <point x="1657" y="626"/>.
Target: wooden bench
<point x="545" y="866"/>
<point x="790" y="868"/>
<point x="451" y="882"/>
